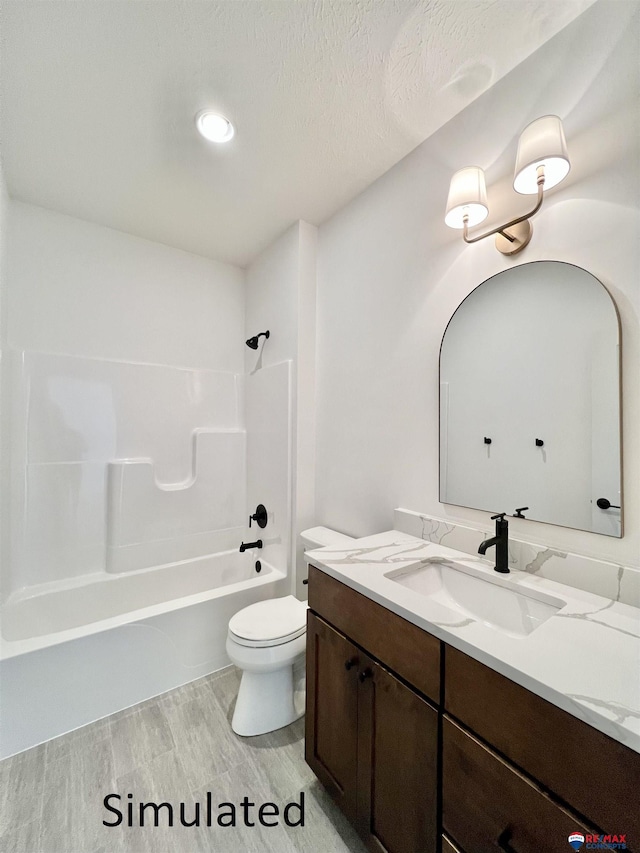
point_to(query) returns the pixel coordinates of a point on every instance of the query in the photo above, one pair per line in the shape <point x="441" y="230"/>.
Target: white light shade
<point x="542" y="143"/>
<point x="467" y="197"/>
<point x="214" y="127"/>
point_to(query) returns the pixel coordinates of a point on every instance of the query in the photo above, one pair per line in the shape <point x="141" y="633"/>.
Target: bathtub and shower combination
<point x="71" y="656"/>
<point x="166" y="574"/>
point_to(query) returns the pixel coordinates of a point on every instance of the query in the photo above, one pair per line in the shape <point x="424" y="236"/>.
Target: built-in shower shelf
<point x="142" y="511"/>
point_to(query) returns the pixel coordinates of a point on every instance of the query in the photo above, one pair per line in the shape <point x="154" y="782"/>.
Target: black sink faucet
<point x="501" y="541"/>
<point x="246" y="545"/>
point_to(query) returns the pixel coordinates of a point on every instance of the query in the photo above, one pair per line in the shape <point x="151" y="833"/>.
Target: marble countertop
<point x="585" y="658"/>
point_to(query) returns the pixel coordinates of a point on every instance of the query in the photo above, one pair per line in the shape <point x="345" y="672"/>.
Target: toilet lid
<point x="320" y="537"/>
<point x="275" y="621"/>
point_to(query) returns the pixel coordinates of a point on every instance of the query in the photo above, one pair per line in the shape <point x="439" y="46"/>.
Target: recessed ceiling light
<point x="214" y="127"/>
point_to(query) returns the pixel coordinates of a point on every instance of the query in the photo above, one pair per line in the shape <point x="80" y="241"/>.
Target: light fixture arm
<point x="519" y="239"/>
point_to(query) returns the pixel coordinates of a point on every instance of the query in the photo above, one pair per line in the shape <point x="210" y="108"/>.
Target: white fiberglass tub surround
<point x="71" y="656"/>
<point x="132" y="485"/>
<point x="110" y="599"/>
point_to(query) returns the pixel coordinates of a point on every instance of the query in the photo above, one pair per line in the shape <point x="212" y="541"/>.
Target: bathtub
<point x="71" y="653"/>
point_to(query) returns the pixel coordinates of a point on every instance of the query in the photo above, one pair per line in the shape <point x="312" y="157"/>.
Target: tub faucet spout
<point x="246" y="545"/>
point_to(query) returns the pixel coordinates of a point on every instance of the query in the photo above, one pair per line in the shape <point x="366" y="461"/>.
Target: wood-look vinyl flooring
<point x="173" y="748"/>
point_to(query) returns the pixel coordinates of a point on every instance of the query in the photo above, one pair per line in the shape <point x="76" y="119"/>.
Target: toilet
<point x="267" y="641"/>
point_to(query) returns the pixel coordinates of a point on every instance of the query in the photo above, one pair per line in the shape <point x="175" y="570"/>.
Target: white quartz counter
<point x="585" y="658"/>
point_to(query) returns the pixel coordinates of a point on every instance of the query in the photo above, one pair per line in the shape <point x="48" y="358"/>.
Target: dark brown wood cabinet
<point x="402" y="647"/>
<point x="488" y="806"/>
<point x="426" y="750"/>
<point x="397" y="765"/>
<point x="373" y="742"/>
<point x="331" y="725"/>
<point x="598" y="776"/>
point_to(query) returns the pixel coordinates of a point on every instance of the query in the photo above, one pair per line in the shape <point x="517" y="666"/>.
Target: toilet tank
<point x="320" y="537"/>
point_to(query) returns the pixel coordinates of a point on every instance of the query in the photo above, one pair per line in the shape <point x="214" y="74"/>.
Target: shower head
<point x="252" y="343"/>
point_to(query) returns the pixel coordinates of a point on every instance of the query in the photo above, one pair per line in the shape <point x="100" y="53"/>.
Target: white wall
<point x="117" y="296"/>
<point x="4" y="401"/>
<point x="119" y="348"/>
<point x="281" y="297"/>
<point x="391" y="274"/>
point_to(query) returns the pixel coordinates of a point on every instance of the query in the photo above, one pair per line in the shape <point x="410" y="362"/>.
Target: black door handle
<point x="366" y="673"/>
<point x="351" y="663"/>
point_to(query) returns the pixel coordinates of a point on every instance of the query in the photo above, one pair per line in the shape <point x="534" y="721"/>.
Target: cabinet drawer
<point x="403" y="647"/>
<point x="488" y="806"/>
<point x="594" y="774"/>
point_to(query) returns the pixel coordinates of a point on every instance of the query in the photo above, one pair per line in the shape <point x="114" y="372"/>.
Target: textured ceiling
<point x="99" y="96"/>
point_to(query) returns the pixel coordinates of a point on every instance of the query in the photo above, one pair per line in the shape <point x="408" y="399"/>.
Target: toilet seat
<point x="262" y="644"/>
<point x="269" y="623"/>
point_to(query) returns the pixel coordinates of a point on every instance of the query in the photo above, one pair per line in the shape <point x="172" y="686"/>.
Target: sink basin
<point x="494" y="601"/>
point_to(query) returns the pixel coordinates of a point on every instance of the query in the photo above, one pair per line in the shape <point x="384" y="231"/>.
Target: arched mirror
<point x="530" y="399"/>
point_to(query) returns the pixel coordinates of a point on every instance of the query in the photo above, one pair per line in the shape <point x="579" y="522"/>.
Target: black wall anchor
<point x="603" y="503"/>
<point x="487" y="440"/>
<point x="259" y="516"/>
<point x="519" y="511"/>
<point x="539" y="442"/>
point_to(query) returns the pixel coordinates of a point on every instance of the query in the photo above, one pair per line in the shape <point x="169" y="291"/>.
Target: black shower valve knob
<point x="260" y="516"/>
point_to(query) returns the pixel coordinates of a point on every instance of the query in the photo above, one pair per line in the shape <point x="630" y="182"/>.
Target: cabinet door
<point x="331" y="737"/>
<point x="397" y="764"/>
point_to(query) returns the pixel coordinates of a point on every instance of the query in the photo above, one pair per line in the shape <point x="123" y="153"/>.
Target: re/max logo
<point x="602" y="839"/>
<point x="606" y="842"/>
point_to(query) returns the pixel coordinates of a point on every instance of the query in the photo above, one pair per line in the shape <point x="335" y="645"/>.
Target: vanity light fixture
<point x="214" y="127"/>
<point x="542" y="162"/>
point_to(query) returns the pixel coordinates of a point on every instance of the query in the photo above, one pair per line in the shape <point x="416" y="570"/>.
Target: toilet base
<point x="265" y="702"/>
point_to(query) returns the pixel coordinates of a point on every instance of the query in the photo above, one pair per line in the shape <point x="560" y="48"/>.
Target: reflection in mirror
<point x="530" y="399"/>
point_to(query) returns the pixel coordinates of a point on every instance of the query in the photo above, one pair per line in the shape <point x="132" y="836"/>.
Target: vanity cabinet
<point x="397" y="764"/>
<point x="371" y="739"/>
<point x="331" y="736"/>
<point x="427" y="750"/>
<point x="401" y="646"/>
<point x="595" y="774"/>
<point x="489" y="806"/>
